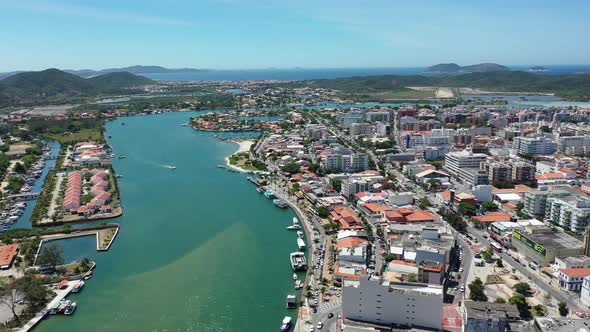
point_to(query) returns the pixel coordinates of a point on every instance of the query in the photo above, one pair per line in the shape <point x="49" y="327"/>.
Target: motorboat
<point x="300" y="234"/>
<point x="286" y="323"/>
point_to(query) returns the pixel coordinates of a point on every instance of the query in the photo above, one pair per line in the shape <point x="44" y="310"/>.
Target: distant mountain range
<point x="455" y="68"/>
<point x="53" y="85"/>
<point x="137" y="70"/>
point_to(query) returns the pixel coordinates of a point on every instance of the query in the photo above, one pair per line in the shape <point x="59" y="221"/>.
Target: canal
<point x="199" y="249"/>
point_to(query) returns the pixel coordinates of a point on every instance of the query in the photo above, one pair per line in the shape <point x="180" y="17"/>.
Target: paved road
<point x="557" y="294"/>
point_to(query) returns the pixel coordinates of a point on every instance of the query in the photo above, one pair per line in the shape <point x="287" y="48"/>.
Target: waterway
<point x="25" y="219"/>
<point x="199" y="249"/>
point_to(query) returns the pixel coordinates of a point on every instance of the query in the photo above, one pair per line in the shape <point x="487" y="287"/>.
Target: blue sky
<point x="240" y="34"/>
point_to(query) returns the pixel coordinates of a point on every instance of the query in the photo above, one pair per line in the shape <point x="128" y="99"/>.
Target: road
<point x="572" y="302"/>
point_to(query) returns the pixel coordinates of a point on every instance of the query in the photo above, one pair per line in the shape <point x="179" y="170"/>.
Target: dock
<point x="61" y="294"/>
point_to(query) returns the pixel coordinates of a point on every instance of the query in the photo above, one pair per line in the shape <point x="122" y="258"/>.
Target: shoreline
<point x="244" y="145"/>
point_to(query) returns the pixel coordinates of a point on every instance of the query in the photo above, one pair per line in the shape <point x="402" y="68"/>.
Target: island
<point x="477" y="68"/>
<point x="538" y="69"/>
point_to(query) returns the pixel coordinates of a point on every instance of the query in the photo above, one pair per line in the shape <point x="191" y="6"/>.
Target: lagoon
<point x="199" y="249"/>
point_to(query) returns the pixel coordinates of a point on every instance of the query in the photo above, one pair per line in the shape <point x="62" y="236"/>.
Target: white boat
<point x="300" y="243"/>
<point x="78" y="287"/>
<point x="294" y="276"/>
<point x="300" y="234"/>
<point x="286" y="323"/>
<point x="298" y="261"/>
<point x="70" y="308"/>
<point x="294" y="227"/>
<point x="295" y="221"/>
<point x="298" y="284"/>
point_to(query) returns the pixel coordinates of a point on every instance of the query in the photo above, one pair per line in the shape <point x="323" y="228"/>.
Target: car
<point x="461" y="269"/>
<point x="320" y="325"/>
<point x="311" y="329"/>
<point x="339" y="316"/>
<point x="330" y="315"/>
<point x="462" y="288"/>
<point x="315" y="310"/>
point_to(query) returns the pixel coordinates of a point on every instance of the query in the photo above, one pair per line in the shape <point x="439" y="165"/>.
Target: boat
<point x="300" y="234"/>
<point x="286" y="323"/>
<point x="300" y="243"/>
<point x="78" y="287"/>
<point x="294" y="276"/>
<point x="88" y="275"/>
<point x="269" y="194"/>
<point x="172" y="167"/>
<point x="121" y="157"/>
<point x="294" y="227"/>
<point x="280" y="203"/>
<point x="122" y="123"/>
<point x="295" y="221"/>
<point x="291" y="301"/>
<point x="70" y="308"/>
<point x="259" y="190"/>
<point x="298" y="261"/>
<point x="298" y="284"/>
<point x="118" y="176"/>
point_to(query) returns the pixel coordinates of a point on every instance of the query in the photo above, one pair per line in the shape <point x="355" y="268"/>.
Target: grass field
<point x="92" y="134"/>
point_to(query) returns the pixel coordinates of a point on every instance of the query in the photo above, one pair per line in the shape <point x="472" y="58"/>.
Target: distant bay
<point x="327" y="73"/>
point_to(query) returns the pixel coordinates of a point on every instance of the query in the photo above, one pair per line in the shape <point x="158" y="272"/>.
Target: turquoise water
<point x="199" y="248"/>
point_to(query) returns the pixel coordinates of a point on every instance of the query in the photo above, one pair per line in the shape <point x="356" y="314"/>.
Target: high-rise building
<point x="540" y="145"/>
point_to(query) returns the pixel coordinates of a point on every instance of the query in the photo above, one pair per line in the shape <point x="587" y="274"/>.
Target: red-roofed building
<point x="491" y="217"/>
<point x="346" y="217"/>
<point x="572" y="279"/>
<point x="7" y="255"/>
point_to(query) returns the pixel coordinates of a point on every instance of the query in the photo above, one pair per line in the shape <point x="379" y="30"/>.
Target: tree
<point x="466" y="208"/>
<point x="33" y="290"/>
<point x="539" y="310"/>
<point x="499" y="300"/>
<point x="389" y="258"/>
<point x="336" y="184"/>
<point x="489" y="206"/>
<point x="434" y="183"/>
<point x="476" y="291"/>
<point x="9" y="297"/>
<point x="486" y="253"/>
<point x="20" y="168"/>
<point x="499" y="262"/>
<point x="322" y="212"/>
<point x="563" y="309"/>
<point x="291" y="168"/>
<point x="412" y="277"/>
<point x="51" y="255"/>
<point x="521" y="304"/>
<point x="522" y="288"/>
<point x="424" y="203"/>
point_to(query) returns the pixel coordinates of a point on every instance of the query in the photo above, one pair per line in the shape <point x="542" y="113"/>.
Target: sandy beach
<point x="244" y="146"/>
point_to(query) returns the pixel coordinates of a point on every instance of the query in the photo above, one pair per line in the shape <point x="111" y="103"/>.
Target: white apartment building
<point x="412" y="305"/>
<point x="352" y="186"/>
<point x="465" y="166"/>
<point x="571" y="212"/>
<point x="585" y="293"/>
<point x="572" y="145"/>
<point x="540" y="145"/>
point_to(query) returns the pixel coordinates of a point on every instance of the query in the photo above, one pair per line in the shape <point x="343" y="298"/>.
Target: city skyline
<point x="233" y="34"/>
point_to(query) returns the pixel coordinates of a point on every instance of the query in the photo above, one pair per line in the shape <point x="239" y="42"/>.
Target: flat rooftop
<point x="555" y="240"/>
<point x="545" y="324"/>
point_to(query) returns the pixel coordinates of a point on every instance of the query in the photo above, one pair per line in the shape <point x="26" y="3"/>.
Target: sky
<point x="252" y="34"/>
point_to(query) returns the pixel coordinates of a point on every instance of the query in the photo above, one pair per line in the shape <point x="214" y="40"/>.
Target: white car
<point x="461" y="269"/>
<point x="311" y="329"/>
<point x="320" y="325"/>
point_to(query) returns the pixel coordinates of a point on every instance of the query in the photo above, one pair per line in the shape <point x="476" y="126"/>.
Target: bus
<point x="496" y="247"/>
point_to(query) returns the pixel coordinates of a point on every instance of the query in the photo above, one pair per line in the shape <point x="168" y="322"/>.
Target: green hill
<point x="571" y="87"/>
<point x="53" y="85"/>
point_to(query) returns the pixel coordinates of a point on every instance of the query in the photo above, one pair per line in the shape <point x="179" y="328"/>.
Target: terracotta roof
<point x="494" y="216"/>
<point x="374" y="207"/>
<point x="350" y="242"/>
<point x="576" y="272"/>
<point x="7" y="254"/>
<point x="420" y="216"/>
<point x="550" y="176"/>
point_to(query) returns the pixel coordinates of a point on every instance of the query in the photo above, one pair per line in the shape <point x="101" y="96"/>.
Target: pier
<point x="23" y="197"/>
<point x="60" y="295"/>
